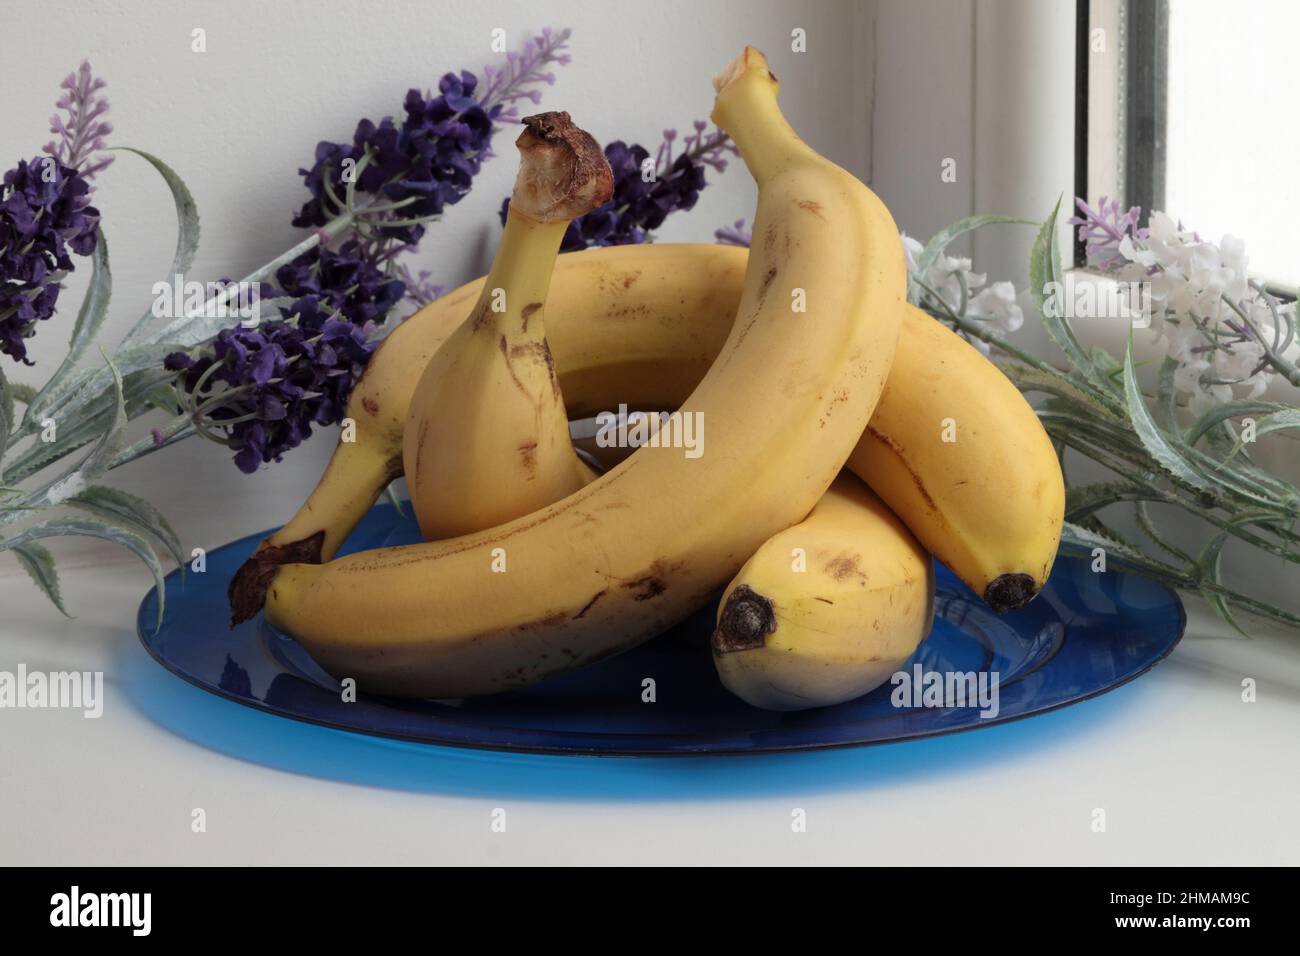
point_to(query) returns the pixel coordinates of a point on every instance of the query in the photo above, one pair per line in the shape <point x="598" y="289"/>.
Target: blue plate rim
<point x="143" y="629"/>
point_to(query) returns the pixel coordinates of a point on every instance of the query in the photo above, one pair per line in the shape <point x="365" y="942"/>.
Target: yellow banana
<point x="827" y="610"/>
<point x="641" y="324"/>
<point x="646" y="543"/>
<point x="487" y="435"/>
<point x="961" y="457"/>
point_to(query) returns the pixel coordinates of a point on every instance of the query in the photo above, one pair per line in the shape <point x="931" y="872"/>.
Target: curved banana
<point x="641" y="324"/>
<point x="646" y="543"/>
<point x="826" y="610"/>
<point x="487" y="435"/>
<point x="959" y="454"/>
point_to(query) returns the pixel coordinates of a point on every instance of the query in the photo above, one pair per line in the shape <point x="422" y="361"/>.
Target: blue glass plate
<point x="1085" y="634"/>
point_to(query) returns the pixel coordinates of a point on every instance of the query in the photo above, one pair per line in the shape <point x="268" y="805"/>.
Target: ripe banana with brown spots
<point x="487" y="435"/>
<point x="828" y="609"/>
<point x="641" y="325"/>
<point x="643" y="545"/>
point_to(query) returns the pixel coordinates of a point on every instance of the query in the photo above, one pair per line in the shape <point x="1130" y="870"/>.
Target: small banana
<point x="487" y="436"/>
<point x="826" y="610"/>
<point x="643" y="545"/>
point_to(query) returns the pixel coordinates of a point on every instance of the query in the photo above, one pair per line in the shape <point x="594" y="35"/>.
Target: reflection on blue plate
<point x="1085" y="634"/>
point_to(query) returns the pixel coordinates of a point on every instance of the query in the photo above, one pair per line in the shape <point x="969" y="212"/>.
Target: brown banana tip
<point x="563" y="173"/>
<point x="1007" y="592"/>
<point x="746" y="620"/>
<point x="247" y="590"/>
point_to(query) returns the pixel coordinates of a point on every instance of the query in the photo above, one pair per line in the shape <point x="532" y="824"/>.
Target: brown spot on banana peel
<point x="480" y="318"/>
<point x="654" y="582"/>
<point x="528" y="457"/>
<point x="898" y="451"/>
<point x="844" y="566"/>
<point x="813" y="207"/>
<point x="530" y="352"/>
<point x="370" y="405"/>
<point x="248" y="587"/>
<point x="590" y="604"/>
<point x="746" y="620"/>
<point x="550" y="620"/>
<point x="528" y="311"/>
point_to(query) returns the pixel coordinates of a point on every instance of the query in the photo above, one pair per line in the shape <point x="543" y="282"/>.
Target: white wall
<point x="237" y="121"/>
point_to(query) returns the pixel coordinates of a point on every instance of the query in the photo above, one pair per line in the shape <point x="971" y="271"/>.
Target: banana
<point x="487" y="435"/>
<point x="827" y="610"/>
<point x="959" y="454"/>
<point x="646" y="543"/>
<point x="641" y="324"/>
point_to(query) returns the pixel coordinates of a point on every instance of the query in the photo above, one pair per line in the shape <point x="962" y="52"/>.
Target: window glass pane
<point x="1233" y="137"/>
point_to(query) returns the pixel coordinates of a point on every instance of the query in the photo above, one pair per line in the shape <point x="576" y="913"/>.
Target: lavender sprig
<point x="1101" y="230"/>
<point x="376" y="195"/>
<point x="734" y="235"/>
<point x="646" y="191"/>
<point x="700" y="146"/>
<point x="420" y="290"/>
<point x="83" y="133"/>
<point x="504" y="87"/>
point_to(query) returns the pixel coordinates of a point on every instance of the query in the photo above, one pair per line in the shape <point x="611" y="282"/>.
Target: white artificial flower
<point x="912" y="250"/>
<point x="998" y="306"/>
<point x="1204" y="399"/>
<point x="1130" y="251"/>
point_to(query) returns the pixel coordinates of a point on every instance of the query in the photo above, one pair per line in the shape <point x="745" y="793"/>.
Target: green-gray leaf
<point x="1209" y="570"/>
<point x="1148" y="432"/>
<point x="1167" y="397"/>
<point x="1221" y="413"/>
<point x="187" y="227"/>
<point x="39" y="564"/>
<point x="1148" y="525"/>
<point x="95" y="528"/>
<point x="131" y="511"/>
<point x="1078" y="539"/>
<point x="1044" y="271"/>
<point x="22" y="393"/>
<point x="1060" y="384"/>
<point x="946" y="236"/>
<point x="1083" y="500"/>
<point x="94" y="309"/>
<point x="101" y="457"/>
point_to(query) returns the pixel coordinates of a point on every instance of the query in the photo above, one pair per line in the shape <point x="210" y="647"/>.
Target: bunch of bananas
<point x="850" y="437"/>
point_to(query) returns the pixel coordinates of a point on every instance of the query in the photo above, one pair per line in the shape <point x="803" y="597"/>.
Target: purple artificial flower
<point x="1101" y="230"/>
<point x="734" y="235"/>
<point x="420" y="289"/>
<point x="45" y="214"/>
<point x="82" y="134"/>
<point x="266" y="387"/>
<point x="346" y="279"/>
<point x="431" y="159"/>
<point x="504" y="87"/>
